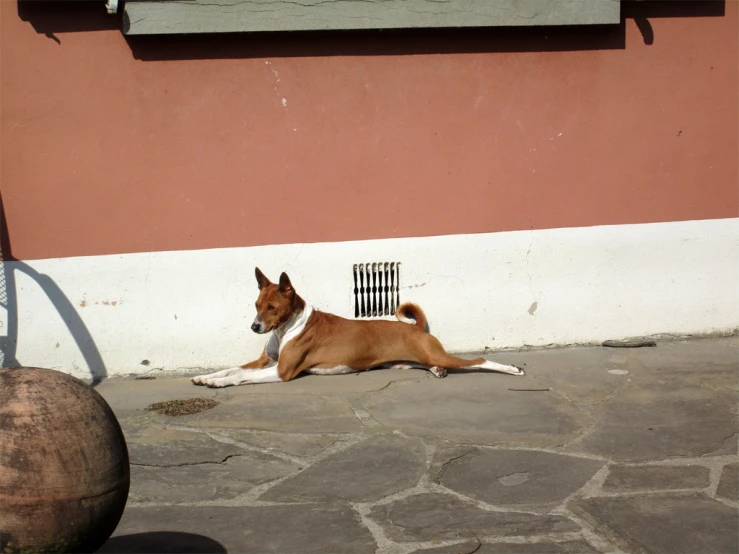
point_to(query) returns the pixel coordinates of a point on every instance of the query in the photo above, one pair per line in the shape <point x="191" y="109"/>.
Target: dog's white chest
<point x="292" y="329"/>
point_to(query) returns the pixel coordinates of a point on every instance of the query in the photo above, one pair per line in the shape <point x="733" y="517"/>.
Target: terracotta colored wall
<point x="111" y="147"/>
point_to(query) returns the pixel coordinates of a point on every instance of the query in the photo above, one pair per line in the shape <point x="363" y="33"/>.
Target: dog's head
<point x="276" y="303"/>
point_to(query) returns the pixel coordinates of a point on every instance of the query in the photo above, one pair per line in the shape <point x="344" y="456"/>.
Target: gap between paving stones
<point x="426" y="484"/>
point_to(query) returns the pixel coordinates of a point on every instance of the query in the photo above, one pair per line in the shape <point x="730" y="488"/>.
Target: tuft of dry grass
<point x="183" y="407"/>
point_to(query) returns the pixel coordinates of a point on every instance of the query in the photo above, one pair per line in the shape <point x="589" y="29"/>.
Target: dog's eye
<point x="270" y="308"/>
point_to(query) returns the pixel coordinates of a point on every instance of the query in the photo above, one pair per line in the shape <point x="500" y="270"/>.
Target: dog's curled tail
<point x="409" y="311"/>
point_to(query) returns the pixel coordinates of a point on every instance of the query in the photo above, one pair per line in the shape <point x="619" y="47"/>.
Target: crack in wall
<point x="532" y="309"/>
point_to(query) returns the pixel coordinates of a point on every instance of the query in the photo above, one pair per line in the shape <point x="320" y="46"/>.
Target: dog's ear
<point x="286" y="286"/>
<point x="261" y="279"/>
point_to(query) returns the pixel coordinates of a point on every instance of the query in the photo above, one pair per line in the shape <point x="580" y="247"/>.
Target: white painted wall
<point x="187" y="310"/>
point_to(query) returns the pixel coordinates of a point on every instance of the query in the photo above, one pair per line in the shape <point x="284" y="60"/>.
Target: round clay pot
<point x="64" y="472"/>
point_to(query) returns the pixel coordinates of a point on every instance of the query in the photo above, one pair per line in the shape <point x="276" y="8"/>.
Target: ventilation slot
<point x="376" y="289"/>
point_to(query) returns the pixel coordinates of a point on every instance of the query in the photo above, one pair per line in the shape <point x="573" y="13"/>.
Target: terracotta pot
<point x="64" y="472"/>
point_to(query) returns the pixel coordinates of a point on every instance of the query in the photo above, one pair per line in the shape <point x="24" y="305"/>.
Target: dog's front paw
<point x="198" y="380"/>
<point x="221" y="382"/>
<point x="519" y="369"/>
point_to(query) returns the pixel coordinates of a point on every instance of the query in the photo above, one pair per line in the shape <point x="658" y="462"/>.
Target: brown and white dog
<point x="319" y="343"/>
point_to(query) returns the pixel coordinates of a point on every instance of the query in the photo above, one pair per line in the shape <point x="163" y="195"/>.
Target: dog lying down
<point x="305" y="340"/>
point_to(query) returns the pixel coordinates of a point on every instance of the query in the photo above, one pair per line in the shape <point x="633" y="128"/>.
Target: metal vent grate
<point x="376" y="289"/>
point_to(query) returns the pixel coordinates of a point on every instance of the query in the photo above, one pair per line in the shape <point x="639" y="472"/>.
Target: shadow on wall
<point x="49" y="18"/>
<point x="9" y="300"/>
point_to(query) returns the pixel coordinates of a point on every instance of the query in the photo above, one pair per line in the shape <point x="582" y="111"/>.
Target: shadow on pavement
<point x="162" y="542"/>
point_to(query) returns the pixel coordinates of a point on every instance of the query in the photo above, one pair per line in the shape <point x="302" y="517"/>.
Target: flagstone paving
<point x="595" y="450"/>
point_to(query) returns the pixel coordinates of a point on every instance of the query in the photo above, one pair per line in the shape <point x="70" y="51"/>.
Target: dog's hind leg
<point x="442" y="363"/>
<point x="499" y="368"/>
<point x="438" y="372"/>
<point x="432" y="354"/>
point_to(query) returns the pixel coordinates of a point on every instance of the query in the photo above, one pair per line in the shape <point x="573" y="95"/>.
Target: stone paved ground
<point x="595" y="450"/>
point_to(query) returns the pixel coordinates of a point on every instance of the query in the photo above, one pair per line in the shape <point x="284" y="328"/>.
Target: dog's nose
<point x="255" y="327"/>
